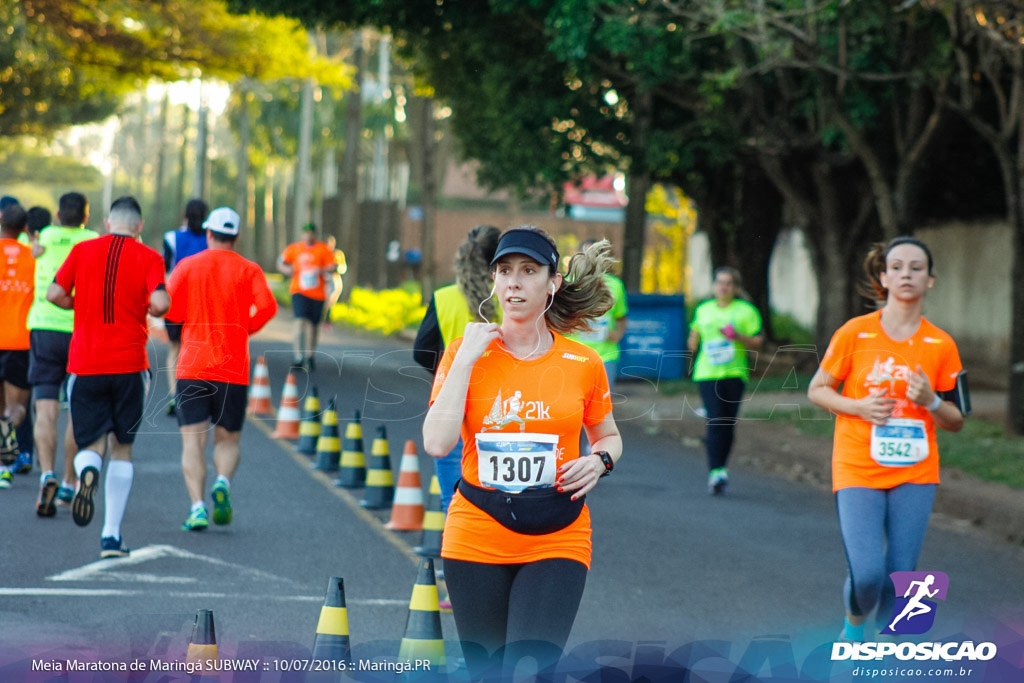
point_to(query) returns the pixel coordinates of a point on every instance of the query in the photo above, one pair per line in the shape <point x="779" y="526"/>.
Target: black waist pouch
<point x="534" y="512"/>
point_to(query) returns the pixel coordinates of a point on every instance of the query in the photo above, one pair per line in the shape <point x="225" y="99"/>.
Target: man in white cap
<point x="221" y="298"/>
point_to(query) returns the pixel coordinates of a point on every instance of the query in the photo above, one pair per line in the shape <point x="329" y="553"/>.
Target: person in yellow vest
<point x="451" y="308"/>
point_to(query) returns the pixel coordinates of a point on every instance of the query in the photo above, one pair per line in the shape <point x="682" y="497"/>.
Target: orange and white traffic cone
<point x="288" y="413"/>
<point x="407" y="510"/>
<point x="259" y="390"/>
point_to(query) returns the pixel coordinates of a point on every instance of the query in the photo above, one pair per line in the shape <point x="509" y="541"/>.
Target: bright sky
<point x="94" y="140"/>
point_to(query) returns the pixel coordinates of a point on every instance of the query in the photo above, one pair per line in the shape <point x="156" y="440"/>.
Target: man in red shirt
<point x="307" y="263"/>
<point x="221" y="298"/>
<point x="116" y="281"/>
<point x="16" y="290"/>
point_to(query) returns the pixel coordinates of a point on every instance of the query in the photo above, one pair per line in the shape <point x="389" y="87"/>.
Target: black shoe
<point x="45" y="506"/>
<point x="82" y="506"/>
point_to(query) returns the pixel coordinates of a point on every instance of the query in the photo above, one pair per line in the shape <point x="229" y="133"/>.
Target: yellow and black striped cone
<point x="331" y="642"/>
<point x="328" y="445"/>
<point x="353" y="462"/>
<point x="423" y="639"/>
<point x="433" y="523"/>
<point x="309" y="425"/>
<point x="380" y="480"/>
<point x="203" y="645"/>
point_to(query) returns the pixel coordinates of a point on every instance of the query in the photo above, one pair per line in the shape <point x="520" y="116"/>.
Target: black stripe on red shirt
<point x="110" y="278"/>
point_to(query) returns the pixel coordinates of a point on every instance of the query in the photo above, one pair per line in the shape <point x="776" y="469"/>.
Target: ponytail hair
<point x="875" y="262"/>
<point x="473" y="268"/>
<point x="584" y="295"/>
<point x="195" y="214"/>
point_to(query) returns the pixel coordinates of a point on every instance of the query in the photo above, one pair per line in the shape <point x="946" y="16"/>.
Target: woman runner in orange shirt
<point x="516" y="542"/>
<point x="895" y="368"/>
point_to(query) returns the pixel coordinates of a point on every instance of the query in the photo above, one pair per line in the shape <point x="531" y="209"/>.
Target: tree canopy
<point x="63" y="63"/>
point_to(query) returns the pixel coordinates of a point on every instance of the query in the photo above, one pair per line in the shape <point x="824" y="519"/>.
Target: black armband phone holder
<point x="960" y="395"/>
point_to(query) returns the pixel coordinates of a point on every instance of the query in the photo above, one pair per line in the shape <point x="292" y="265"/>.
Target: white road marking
<point x="99" y="570"/>
<point x="121" y="592"/>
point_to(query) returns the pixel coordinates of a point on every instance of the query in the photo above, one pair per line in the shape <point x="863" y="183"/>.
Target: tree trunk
<point x="161" y="165"/>
<point x="270" y="210"/>
<point x="202" y="138"/>
<point x="242" y="182"/>
<point x="428" y="275"/>
<point x="348" y="182"/>
<point x="304" y="174"/>
<point x="834" y="206"/>
<point x="760" y="215"/>
<point x="638" y="183"/>
<point x="179" y="206"/>
<point x="837" y="248"/>
<point x="1015" y="209"/>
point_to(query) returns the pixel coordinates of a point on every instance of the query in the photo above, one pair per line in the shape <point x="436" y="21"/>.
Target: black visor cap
<point x="528" y="243"/>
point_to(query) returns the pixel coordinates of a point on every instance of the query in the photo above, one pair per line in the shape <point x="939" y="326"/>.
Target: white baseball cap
<point x="223" y="220"/>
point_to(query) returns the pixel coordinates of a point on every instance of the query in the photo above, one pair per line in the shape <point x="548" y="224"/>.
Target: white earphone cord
<point x="480" y="312"/>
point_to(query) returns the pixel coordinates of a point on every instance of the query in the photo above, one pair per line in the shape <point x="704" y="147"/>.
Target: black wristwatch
<point x="609" y="464"/>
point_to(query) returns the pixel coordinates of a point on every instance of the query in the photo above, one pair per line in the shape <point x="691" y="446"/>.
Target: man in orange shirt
<point x="307" y="263"/>
<point x="17" y="285"/>
<point x="221" y="298"/>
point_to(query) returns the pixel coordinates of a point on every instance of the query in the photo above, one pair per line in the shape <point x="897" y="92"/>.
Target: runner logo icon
<point x="914" y="611"/>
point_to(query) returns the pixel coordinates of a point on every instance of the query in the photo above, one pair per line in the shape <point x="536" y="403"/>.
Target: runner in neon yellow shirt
<point x="50" y="339"/>
<point x="723" y="329"/>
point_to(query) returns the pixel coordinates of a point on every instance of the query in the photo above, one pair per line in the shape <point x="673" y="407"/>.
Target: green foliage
<point x="787" y="328"/>
<point x="39" y="89"/>
<point x="63" y="63"/>
<point x="24" y="162"/>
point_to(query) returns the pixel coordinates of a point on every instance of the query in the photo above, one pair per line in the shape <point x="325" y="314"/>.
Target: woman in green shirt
<point x="723" y="329"/>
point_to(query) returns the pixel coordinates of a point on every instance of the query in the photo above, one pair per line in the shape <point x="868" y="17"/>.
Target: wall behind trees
<point x="970" y="300"/>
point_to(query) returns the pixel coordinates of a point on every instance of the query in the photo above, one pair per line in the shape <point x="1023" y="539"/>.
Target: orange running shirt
<point x="221" y="298"/>
<point x="555" y="394"/>
<point x="17" y="287"/>
<point x="864" y="358"/>
<point x="308" y="261"/>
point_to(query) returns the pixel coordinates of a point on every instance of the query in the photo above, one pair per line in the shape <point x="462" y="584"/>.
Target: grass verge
<point x="982" y="449"/>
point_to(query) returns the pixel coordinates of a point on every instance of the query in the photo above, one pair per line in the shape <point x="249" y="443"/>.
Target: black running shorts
<point x="223" y="404"/>
<point x="14" y="367"/>
<point x="48" y="362"/>
<point x="307" y="308"/>
<point x="101" y="404"/>
<point x="173" y="331"/>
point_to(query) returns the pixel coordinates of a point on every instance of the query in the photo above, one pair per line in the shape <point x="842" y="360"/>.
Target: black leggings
<point x="527" y="608"/>
<point x="722" y="401"/>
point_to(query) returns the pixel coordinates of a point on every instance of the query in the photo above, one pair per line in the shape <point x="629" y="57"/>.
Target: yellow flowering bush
<point x="384" y="312"/>
<point x="674" y="220"/>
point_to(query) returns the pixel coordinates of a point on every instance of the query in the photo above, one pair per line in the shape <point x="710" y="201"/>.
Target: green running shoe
<point x="221" y="504"/>
<point x="197" y="520"/>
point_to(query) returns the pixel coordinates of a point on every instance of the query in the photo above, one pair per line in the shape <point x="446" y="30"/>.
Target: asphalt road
<point x="675" y="573"/>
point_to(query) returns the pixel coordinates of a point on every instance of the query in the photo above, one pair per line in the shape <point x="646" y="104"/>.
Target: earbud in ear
<point x="552" y="289"/>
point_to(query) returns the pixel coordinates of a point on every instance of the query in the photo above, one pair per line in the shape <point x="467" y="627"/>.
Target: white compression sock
<point x="115" y="495"/>
<point x="85" y="459"/>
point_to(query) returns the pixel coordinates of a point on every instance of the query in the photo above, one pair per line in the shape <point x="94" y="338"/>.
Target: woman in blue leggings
<point x="895" y="369"/>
